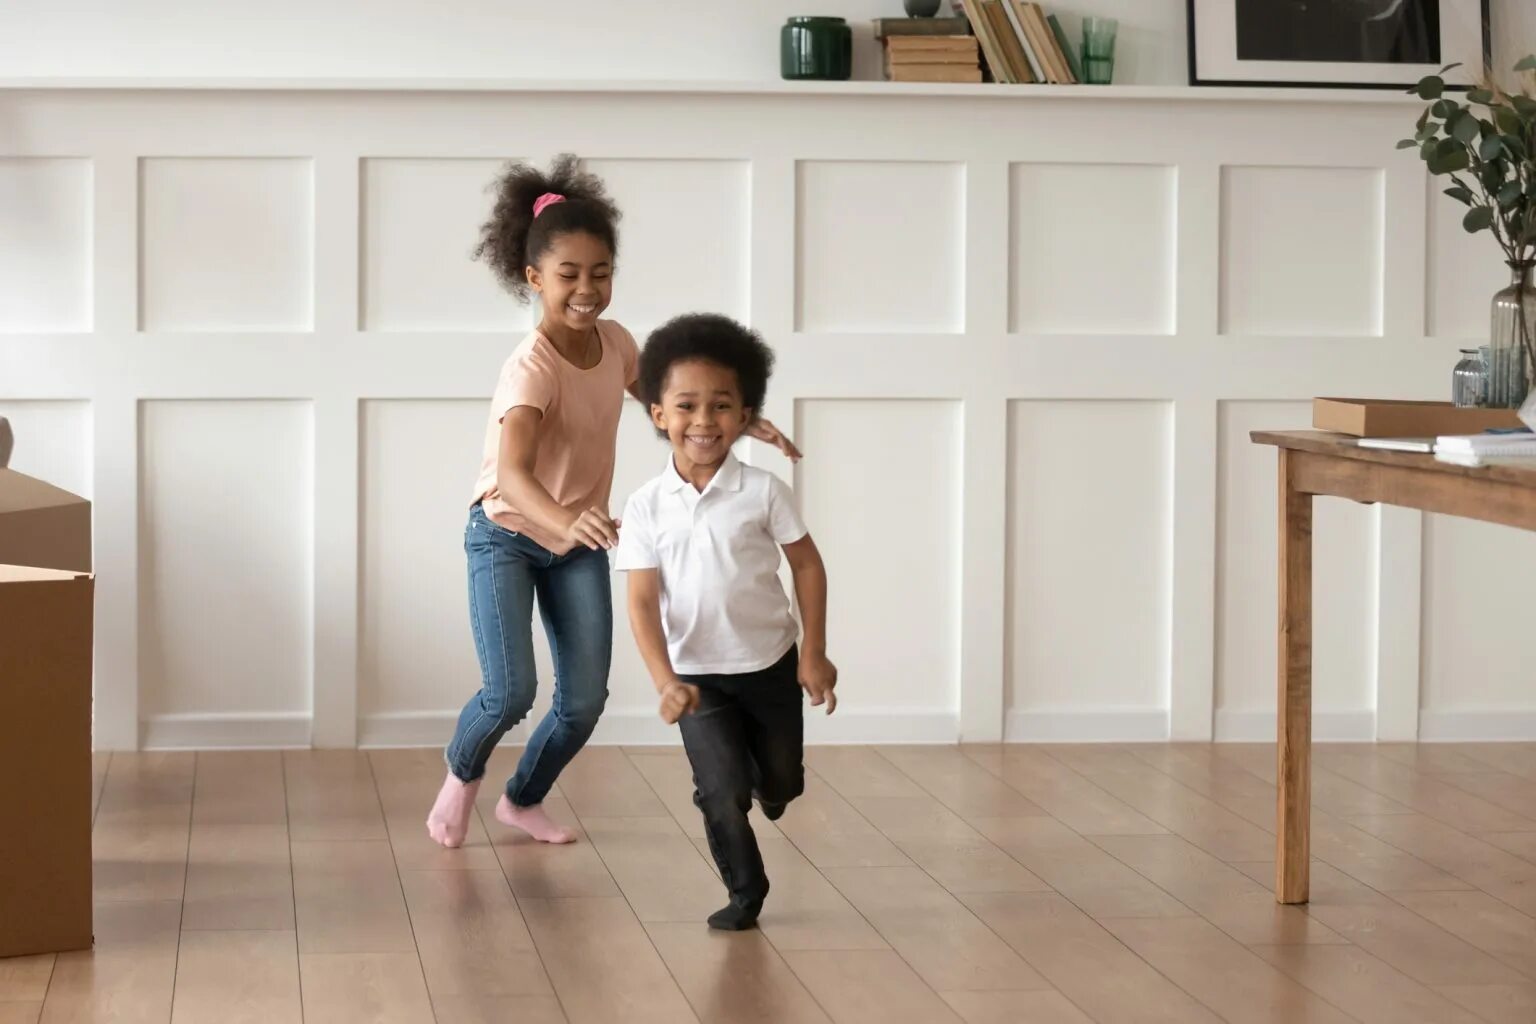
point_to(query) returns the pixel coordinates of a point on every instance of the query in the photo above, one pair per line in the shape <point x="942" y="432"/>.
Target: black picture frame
<point x="1484" y="16"/>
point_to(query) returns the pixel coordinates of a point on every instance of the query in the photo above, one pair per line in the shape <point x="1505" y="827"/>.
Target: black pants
<point x="744" y="740"/>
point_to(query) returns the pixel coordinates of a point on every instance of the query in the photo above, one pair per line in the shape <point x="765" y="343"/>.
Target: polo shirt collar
<point x="726" y="478"/>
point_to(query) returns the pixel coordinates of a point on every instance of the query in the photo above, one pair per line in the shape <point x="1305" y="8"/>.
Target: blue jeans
<point x="506" y="570"/>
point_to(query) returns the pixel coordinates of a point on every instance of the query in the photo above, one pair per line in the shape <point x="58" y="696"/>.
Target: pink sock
<point x="448" y="823"/>
<point x="532" y="820"/>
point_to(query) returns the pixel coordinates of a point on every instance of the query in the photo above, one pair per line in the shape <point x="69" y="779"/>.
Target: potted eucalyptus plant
<point x="1484" y="144"/>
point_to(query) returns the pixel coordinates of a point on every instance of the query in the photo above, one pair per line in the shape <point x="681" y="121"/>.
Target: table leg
<point x="1293" y="824"/>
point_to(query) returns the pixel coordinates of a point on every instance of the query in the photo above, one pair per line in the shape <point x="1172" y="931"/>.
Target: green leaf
<point x="1507" y="120"/>
<point x="1465" y="128"/>
<point x="1524" y="106"/>
<point x="1527" y="64"/>
<point x="1478" y="219"/>
<point x="1448" y="163"/>
<point x="1431" y="87"/>
<point x="1490" y="149"/>
<point x="1423" y="120"/>
<point x="1482" y="96"/>
<point x="1450" y="67"/>
<point x="1513" y="146"/>
<point x="1445" y="109"/>
<point x="1427" y="132"/>
<point x="1427" y="151"/>
<point x="1510" y="194"/>
<point x="1406" y="143"/>
<point x="1461" y="194"/>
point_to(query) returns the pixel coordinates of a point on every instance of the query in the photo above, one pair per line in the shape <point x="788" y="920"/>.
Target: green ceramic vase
<point x="816" y="48"/>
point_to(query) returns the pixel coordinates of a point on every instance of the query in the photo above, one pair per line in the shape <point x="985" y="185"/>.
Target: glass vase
<point x="1510" y="369"/>
<point x="1469" y="380"/>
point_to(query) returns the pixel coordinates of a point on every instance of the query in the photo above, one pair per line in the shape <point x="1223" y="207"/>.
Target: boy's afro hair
<point x="714" y="339"/>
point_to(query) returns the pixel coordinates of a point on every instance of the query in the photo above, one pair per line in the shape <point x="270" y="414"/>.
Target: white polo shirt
<point x="723" y="609"/>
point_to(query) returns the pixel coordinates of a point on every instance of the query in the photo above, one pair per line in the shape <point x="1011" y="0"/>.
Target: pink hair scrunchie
<point x="545" y="201"/>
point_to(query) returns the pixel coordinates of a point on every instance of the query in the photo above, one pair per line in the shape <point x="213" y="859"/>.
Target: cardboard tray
<point x="1381" y="417"/>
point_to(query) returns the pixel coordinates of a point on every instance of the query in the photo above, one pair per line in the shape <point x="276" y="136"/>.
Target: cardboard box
<point x="45" y="759"/>
<point x="1378" y="417"/>
<point x="42" y="525"/>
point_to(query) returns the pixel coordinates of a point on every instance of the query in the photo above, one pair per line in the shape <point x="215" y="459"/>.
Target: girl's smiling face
<point x="574" y="279"/>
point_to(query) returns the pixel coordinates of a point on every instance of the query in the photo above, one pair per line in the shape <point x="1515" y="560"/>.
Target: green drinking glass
<point x="1099" y="50"/>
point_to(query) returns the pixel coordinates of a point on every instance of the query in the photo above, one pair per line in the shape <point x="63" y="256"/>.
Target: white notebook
<point x="1486" y="444"/>
<point x="1399" y="444"/>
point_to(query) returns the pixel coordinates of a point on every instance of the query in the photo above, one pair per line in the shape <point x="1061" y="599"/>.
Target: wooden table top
<point x="1343" y="446"/>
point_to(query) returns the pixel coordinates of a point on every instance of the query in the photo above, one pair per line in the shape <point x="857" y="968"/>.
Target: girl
<point x="538" y="522"/>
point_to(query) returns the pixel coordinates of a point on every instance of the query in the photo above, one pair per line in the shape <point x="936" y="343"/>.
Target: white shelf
<point x="1157" y="93"/>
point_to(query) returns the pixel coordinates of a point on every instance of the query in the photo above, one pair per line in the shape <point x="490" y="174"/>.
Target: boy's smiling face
<point x="701" y="413"/>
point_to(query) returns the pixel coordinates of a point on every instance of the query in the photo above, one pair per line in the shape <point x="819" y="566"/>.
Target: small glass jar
<point x="816" y="48"/>
<point x="1469" y="381"/>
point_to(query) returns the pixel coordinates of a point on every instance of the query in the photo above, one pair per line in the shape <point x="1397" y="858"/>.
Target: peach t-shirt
<point x="574" y="462"/>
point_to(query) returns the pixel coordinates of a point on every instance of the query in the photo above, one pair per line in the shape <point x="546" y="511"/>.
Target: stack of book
<point x="929" y="50"/>
<point x="1021" y="43"/>
<point x="1481" y="449"/>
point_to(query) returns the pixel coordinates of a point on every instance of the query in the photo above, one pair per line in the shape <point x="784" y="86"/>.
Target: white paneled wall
<point x="1022" y="338"/>
<point x="226" y="244"/>
<point x="882" y="497"/>
<point x="1343" y="554"/>
<point x="225" y="562"/>
<point x="1086" y="565"/>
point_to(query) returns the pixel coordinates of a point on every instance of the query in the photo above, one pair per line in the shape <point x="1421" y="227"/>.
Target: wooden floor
<point x="924" y="884"/>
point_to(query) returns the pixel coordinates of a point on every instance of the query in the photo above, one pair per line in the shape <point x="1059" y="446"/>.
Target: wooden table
<point x="1314" y="463"/>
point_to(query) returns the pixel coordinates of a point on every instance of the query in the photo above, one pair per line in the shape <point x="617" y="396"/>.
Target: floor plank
<point x="1098" y="883"/>
<point x="948" y="946"/>
<point x="365" y="988"/>
<point x="657" y="867"/>
<point x="984" y="883"/>
<point x="471" y="935"/>
<point x="240" y="877"/>
<point x="868" y="987"/>
<point x="1066" y="795"/>
<point x="24" y="979"/>
<point x="602" y="963"/>
<point x="240" y="787"/>
<point x="348" y="899"/>
<point x="1364" y="986"/>
<point x="129" y="977"/>
<point x="1041" y="1007"/>
<point x="1217" y="891"/>
<point x="1497" y="1004"/>
<point x="734" y="977"/>
<point x="238" y="977"/>
<point x="1083" y="961"/>
<point x="331" y="796"/>
<point x="1217" y="970"/>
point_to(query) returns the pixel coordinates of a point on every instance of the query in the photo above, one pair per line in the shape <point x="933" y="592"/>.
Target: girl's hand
<point x="678" y="699"/>
<point x="764" y="431"/>
<point x="593" y="529"/>
<point x="818" y="677"/>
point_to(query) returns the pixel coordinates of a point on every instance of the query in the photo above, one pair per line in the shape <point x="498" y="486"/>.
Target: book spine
<point x="1048" y="42"/>
<point x="989" y="50"/>
<point x="1008" y="42"/>
<point x="1073" y="66"/>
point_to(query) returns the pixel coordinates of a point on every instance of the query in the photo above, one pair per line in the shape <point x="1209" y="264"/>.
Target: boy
<point x="701" y="546"/>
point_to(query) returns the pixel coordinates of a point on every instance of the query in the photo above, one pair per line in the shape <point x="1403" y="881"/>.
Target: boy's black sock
<point x="735" y="917"/>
